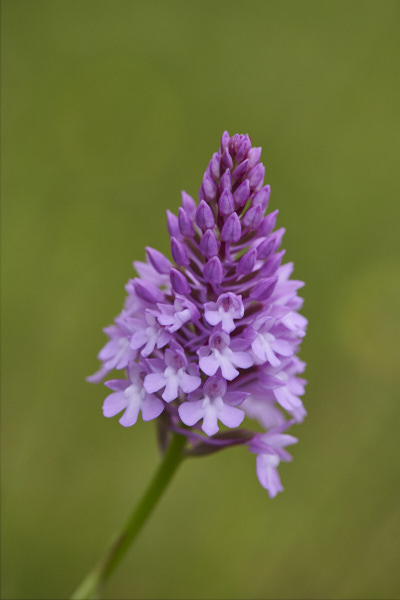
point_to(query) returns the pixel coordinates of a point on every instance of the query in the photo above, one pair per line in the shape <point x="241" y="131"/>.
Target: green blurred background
<point x="109" y="109"/>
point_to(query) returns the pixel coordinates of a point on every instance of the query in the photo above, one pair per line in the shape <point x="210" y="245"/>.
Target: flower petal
<point x="153" y="382"/>
<point x="152" y="407"/>
<point x="114" y="403"/>
<point x="231" y="416"/>
<point x="208" y="364"/>
<point x="191" y="412"/>
<point x="131" y="414"/>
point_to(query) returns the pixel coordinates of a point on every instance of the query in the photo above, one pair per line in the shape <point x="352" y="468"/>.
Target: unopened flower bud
<point x="173" y="224"/>
<point x="179" y="253"/>
<point x="179" y="282"/>
<point x="272" y="264"/>
<point x="226" y="181"/>
<point x="209" y="187"/>
<point x="268" y="224"/>
<point x="240" y="170"/>
<point x="158" y="260"/>
<point x="243" y="149"/>
<point x="256" y="175"/>
<point x="215" y="164"/>
<point x="264" y="289"/>
<point x="262" y="198"/>
<point x="225" y="141"/>
<point x="242" y="193"/>
<point x="232" y="230"/>
<point x="226" y="160"/>
<point x="185" y="223"/>
<point x="188" y="205"/>
<point x="265" y="248"/>
<point x="212" y="271"/>
<point x="226" y="204"/>
<point x="254" y="156"/>
<point x="253" y="217"/>
<point x="148" y="291"/>
<point x="204" y="216"/>
<point x="234" y="144"/>
<point x="247" y="262"/>
<point x="209" y="244"/>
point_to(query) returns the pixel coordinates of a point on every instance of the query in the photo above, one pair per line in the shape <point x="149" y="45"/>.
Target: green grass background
<point x="109" y="109"/>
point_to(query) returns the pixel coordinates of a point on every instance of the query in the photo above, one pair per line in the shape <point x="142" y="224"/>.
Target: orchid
<point x="210" y="338"/>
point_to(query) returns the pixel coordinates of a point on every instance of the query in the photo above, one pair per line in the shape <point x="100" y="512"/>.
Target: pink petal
<point x="98" y="376"/>
<point x="191" y="412"/>
<point x="258" y="347"/>
<point x="242" y="360"/>
<point x="131" y="414"/>
<point x="283" y="347"/>
<point x="149" y="347"/>
<point x="208" y="364"/>
<point x="281" y="439"/>
<point x="286" y="399"/>
<point x="153" y="382"/>
<point x="210" y="420"/>
<point x="189" y="383"/>
<point x="231" y="416"/>
<point x="227" y="322"/>
<point x="227" y="368"/>
<point x="138" y="339"/>
<point x="163" y="338"/>
<point x="268" y="475"/>
<point x="114" y="403"/>
<point x="109" y="350"/>
<point x="213" y="317"/>
<point x="270" y="356"/>
<point x="117" y="384"/>
<point x="152" y="408"/>
<point x="171" y="389"/>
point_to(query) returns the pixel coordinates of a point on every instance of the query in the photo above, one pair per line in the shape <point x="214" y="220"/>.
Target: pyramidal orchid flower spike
<point x="211" y="337"/>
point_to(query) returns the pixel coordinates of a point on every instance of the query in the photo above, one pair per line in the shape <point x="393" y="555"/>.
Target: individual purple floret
<point x="227" y="308"/>
<point x="130" y="395"/>
<point x="216" y="404"/>
<point x="172" y="374"/>
<point x="270" y="450"/>
<point x="211" y="337"/>
<point x="220" y="355"/>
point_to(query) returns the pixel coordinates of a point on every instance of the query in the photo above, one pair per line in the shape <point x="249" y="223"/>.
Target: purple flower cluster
<point x="213" y="337"/>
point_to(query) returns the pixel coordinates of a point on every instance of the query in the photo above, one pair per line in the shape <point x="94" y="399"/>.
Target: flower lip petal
<point x="114" y="404"/>
<point x="152" y="408"/>
<point x="208" y="365"/>
<point x="231" y="416"/>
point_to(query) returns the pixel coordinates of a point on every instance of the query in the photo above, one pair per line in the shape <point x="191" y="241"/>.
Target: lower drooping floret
<point x="214" y="336"/>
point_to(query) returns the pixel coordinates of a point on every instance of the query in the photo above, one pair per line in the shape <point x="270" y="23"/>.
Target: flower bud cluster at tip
<point x="213" y="337"/>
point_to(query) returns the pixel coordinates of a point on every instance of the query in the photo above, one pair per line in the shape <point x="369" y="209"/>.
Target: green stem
<point x="90" y="586"/>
